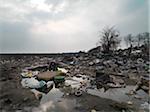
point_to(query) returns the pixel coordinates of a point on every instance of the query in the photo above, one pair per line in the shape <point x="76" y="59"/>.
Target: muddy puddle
<point x="55" y="101"/>
<point x="54" y="95"/>
<point x="120" y="95"/>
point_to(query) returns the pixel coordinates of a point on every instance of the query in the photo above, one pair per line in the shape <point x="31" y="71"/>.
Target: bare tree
<point x="109" y="39"/>
<point x="142" y="39"/>
<point x="146" y="42"/>
<point x="129" y="39"/>
<point x="139" y="39"/>
<point x="146" y="38"/>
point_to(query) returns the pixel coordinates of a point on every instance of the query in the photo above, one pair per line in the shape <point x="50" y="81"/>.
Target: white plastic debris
<point x="145" y="105"/>
<point x="37" y="94"/>
<point x="32" y="83"/>
<point x="76" y="82"/>
<point x="29" y="73"/>
<point x="73" y="83"/>
<point x="63" y="70"/>
<point x="49" y="83"/>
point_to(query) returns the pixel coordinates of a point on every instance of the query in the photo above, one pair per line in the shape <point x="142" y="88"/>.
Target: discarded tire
<point x="140" y="60"/>
<point x="78" y="93"/>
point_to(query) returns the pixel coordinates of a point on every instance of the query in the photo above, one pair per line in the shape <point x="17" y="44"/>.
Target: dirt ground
<point x="15" y="98"/>
<point x="12" y="96"/>
<point x="88" y="102"/>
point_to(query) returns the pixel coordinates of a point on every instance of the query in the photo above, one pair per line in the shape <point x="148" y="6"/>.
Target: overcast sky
<point x="52" y="26"/>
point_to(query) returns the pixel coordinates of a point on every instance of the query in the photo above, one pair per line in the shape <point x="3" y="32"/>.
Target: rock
<point x="130" y="93"/>
<point x="93" y="110"/>
<point x="130" y="103"/>
<point x="137" y="97"/>
<point x="91" y="63"/>
<point x="96" y="61"/>
<point x="8" y="101"/>
<point x="25" y="99"/>
<point x="121" y="106"/>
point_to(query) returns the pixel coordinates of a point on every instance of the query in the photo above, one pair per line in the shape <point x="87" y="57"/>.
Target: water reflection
<point x="119" y="94"/>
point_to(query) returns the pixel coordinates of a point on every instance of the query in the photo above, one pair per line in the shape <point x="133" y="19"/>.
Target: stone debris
<point x="76" y="72"/>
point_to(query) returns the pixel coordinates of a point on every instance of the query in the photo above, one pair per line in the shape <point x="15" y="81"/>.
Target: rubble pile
<point x="77" y="73"/>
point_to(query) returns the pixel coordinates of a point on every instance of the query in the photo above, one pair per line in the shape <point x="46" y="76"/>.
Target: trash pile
<point x="108" y="81"/>
<point x="76" y="74"/>
<point x="42" y="82"/>
<point x="40" y="79"/>
<point x="90" y="72"/>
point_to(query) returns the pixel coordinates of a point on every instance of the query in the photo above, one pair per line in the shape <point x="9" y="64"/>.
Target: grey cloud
<point x="57" y="2"/>
<point x="44" y="16"/>
<point x="14" y="36"/>
<point x="129" y="6"/>
<point x="83" y="20"/>
<point x="54" y="2"/>
<point x="15" y="2"/>
<point x="136" y="23"/>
